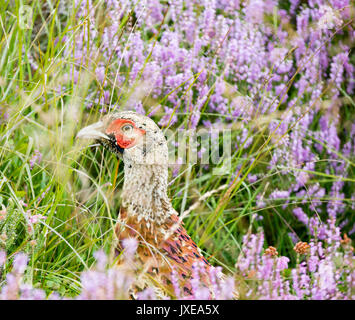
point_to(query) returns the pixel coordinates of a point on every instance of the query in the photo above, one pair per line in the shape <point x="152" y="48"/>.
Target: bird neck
<point x="144" y="192"/>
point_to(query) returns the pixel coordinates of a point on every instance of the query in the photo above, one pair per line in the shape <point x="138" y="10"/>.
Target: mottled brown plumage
<point x="146" y="212"/>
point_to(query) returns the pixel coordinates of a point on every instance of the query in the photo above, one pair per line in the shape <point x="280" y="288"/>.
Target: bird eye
<point x="127" y="128"/>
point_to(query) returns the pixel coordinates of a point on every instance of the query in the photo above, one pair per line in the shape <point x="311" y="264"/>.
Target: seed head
<point x="271" y="251"/>
<point x="346" y="240"/>
<point x="301" y="247"/>
<point x="33" y="243"/>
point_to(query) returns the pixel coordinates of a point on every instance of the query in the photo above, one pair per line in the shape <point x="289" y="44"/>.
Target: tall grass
<point x="50" y="89"/>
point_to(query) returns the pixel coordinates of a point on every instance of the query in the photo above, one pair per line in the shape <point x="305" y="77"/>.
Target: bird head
<point x="133" y="137"/>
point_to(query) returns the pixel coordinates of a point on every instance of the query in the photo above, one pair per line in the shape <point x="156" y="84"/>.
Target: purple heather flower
<point x="175" y="283"/>
<point x="11" y="290"/>
<point x="300" y="215"/>
<point x="214" y="274"/>
<point x="33" y="219"/>
<point x="101" y="260"/>
<point x="2" y="258"/>
<point x="202" y="294"/>
<point x="195" y="281"/>
<point x="282" y="263"/>
<point x="277" y="194"/>
<point x="254" y="11"/>
<point x="130" y="246"/>
<point x="41" y="197"/>
<point x="20" y="263"/>
<point x="147" y="294"/>
<point x="29" y="293"/>
<point x="100" y="74"/>
<point x="293" y="237"/>
<point x="326" y="282"/>
<point x="36" y="158"/>
<point x="138" y="107"/>
<point x="227" y="289"/>
<point x="177" y="166"/>
<point x="252" y="178"/>
<point x="260" y="203"/>
<point x="169" y="118"/>
<point x="328" y="18"/>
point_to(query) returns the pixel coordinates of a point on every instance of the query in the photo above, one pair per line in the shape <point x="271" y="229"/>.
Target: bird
<point x="146" y="212"/>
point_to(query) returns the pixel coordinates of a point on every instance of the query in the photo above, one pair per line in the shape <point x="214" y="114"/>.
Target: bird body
<point x="146" y="212"/>
<point x="161" y="249"/>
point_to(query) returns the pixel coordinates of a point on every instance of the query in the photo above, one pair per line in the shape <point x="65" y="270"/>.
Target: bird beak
<point x="93" y="131"/>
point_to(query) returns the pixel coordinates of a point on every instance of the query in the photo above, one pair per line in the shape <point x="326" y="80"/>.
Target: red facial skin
<point x="123" y="141"/>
